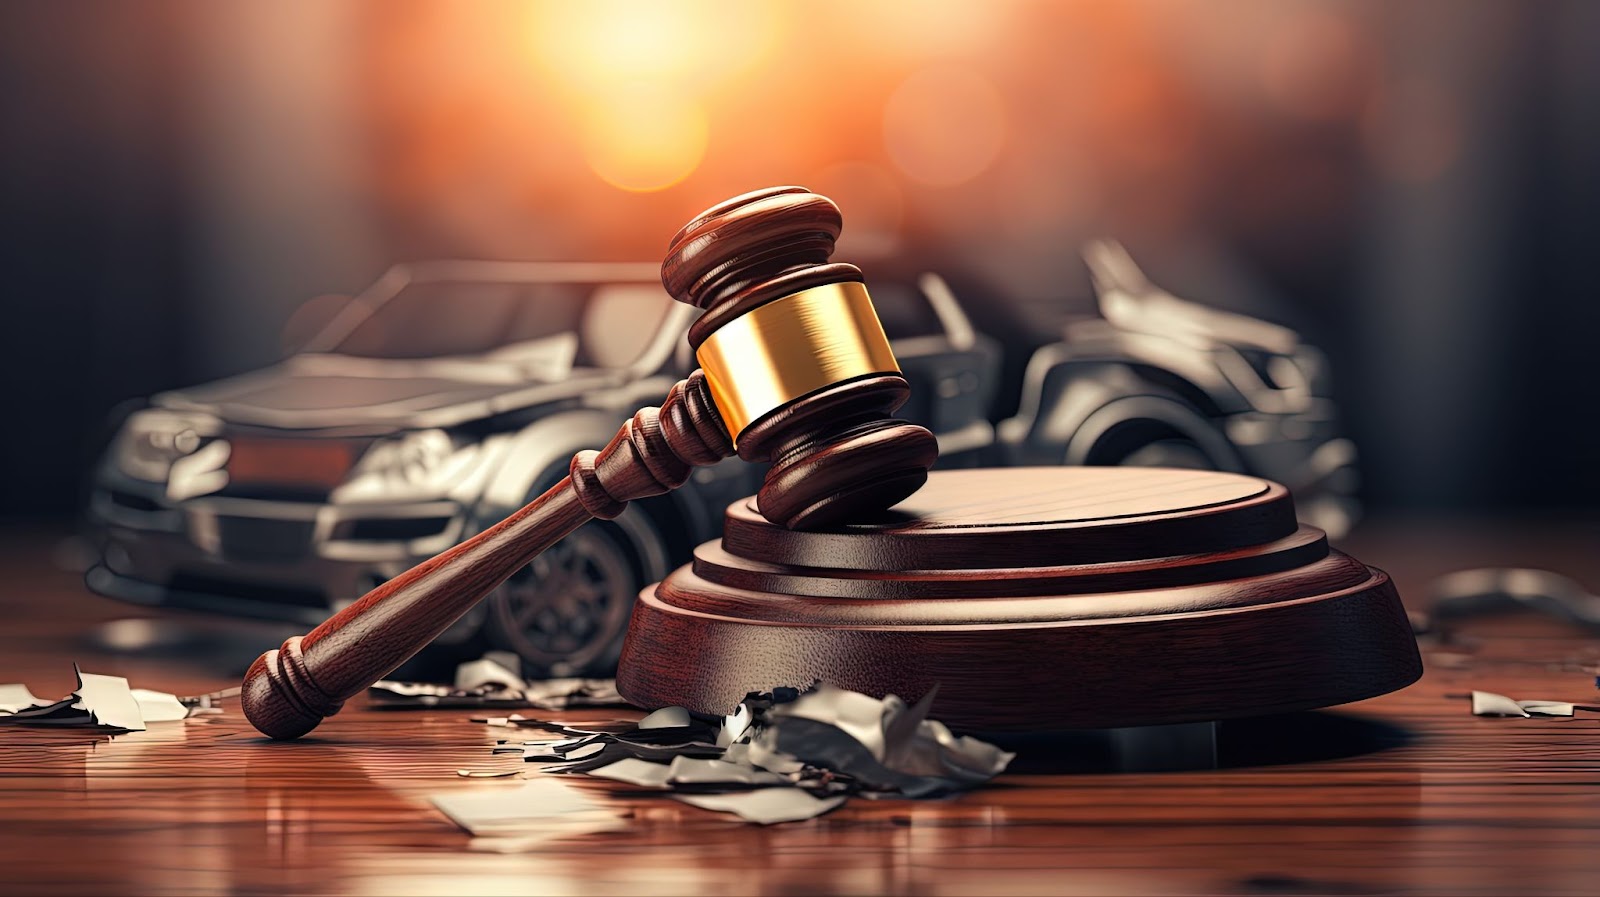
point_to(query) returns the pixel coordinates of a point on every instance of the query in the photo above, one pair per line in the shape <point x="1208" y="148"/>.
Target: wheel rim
<point x="566" y="608"/>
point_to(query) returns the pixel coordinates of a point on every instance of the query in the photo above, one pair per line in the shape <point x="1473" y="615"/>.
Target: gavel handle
<point x="288" y="691"/>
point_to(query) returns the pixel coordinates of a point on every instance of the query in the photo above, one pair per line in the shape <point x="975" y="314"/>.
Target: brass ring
<point x="790" y="347"/>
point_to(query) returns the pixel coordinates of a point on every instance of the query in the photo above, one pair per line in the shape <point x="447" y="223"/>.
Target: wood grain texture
<point x="1034" y="599"/>
<point x="288" y="691"/>
<point x="1455" y="805"/>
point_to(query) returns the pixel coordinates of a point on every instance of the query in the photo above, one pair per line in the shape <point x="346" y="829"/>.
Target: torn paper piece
<point x="489" y="670"/>
<point x="934" y="751"/>
<point x="508" y="809"/>
<point x="665" y="718"/>
<point x="765" y="806"/>
<point x="15" y="696"/>
<point x="1487" y="703"/>
<point x="859" y="716"/>
<point x="636" y="772"/>
<point x="548" y="694"/>
<point x="696" y="771"/>
<point x="158" y="706"/>
<point x="1547" y="708"/>
<point x="109" y="700"/>
<point x="736" y="726"/>
<point x="60" y="713"/>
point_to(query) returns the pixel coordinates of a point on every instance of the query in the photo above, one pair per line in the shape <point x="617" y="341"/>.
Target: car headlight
<point x="151" y="440"/>
<point x="422" y="462"/>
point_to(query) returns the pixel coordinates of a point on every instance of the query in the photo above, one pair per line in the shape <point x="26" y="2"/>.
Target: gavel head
<point x="799" y="367"/>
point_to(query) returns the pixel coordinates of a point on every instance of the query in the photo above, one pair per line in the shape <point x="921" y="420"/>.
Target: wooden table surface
<point x="1453" y="805"/>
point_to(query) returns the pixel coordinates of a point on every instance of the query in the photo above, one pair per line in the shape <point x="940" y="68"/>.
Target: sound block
<point x="1036" y="599"/>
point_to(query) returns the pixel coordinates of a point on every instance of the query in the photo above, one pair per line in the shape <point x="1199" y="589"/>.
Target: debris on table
<point x="102" y="702"/>
<point x="1487" y="703"/>
<point x="778" y="757"/>
<point x="491" y="682"/>
<point x="537" y="809"/>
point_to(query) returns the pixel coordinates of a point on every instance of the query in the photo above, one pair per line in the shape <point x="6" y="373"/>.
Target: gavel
<point x="795" y="370"/>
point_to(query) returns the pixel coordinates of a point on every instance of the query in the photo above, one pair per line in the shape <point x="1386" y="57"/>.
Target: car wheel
<point x="1152" y="431"/>
<point x="565" y="613"/>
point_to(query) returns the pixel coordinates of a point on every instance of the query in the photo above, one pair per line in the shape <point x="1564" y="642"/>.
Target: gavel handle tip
<point x="273" y="702"/>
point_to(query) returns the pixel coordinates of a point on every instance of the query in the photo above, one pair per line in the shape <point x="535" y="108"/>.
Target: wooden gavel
<point x="795" y="370"/>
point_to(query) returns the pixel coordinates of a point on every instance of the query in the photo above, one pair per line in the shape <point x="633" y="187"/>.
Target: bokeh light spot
<point x="944" y="125"/>
<point x="644" y="138"/>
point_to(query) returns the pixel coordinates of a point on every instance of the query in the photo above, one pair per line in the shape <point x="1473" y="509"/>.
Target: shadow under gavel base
<point x="1035" y="599"/>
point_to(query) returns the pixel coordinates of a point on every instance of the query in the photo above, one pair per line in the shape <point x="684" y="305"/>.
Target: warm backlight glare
<point x="644" y="137"/>
<point x="597" y="45"/>
<point x="944" y="126"/>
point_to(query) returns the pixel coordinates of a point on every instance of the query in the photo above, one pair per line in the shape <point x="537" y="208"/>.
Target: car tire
<point x="1151" y="430"/>
<point x="565" y="613"/>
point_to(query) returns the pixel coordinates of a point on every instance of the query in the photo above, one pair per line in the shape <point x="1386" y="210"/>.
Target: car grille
<point x="260" y="539"/>
<point x="390" y="529"/>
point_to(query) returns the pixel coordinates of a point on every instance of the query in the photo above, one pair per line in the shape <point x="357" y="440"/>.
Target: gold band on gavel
<point x="792" y="346"/>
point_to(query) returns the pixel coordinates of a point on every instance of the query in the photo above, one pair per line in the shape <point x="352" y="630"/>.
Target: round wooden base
<point x="1034" y="599"/>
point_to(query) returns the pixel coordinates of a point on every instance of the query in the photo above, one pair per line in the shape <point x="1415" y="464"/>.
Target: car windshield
<point x="613" y="323"/>
<point x="904" y="312"/>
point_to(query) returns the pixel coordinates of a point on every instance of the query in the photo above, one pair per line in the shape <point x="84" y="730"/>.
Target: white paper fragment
<point x="15" y="696"/>
<point x="109" y="700"/>
<point x="158" y="706"/>
<point x="507" y="809"/>
<point x="694" y="771"/>
<point x="633" y="771"/>
<point x="665" y="718"/>
<point x="562" y="694"/>
<point x="1547" y="708"/>
<point x="736" y="726"/>
<point x="488" y="670"/>
<point x="935" y="751"/>
<point x="504" y="722"/>
<point x="585" y="750"/>
<point x="1487" y="703"/>
<point x="762" y="754"/>
<point x="765" y="806"/>
<point x="857" y="715"/>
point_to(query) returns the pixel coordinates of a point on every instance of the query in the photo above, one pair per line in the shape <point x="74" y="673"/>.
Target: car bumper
<point x="278" y="560"/>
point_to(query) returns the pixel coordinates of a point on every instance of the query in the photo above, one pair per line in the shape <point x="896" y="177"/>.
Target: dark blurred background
<point x="1412" y="185"/>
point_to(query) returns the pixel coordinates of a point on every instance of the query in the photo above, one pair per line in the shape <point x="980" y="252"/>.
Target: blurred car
<point x="1164" y="382"/>
<point x="449" y="394"/>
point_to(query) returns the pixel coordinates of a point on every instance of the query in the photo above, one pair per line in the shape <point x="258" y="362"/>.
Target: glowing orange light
<point x="944" y="126"/>
<point x="639" y="73"/>
<point x="602" y="43"/>
<point x="644" y="137"/>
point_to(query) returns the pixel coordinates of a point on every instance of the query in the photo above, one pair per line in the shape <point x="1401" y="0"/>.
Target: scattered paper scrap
<point x="766" y="805"/>
<point x="108" y="700"/>
<point x="502" y="810"/>
<point x="666" y="718"/>
<point x="15" y="696"/>
<point x="1487" y="703"/>
<point x="99" y="701"/>
<point x="777" y="757"/>
<point x="158" y="706"/>
<point x="491" y="681"/>
<point x="633" y="771"/>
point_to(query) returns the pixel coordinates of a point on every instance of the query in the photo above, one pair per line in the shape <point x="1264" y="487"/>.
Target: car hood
<point x="377" y="395"/>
